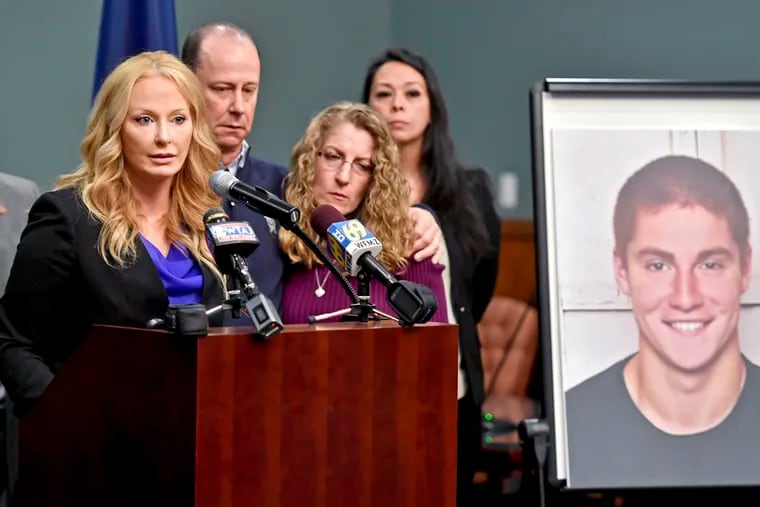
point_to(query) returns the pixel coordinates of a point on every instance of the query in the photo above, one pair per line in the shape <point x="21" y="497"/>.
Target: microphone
<point x="266" y="203"/>
<point x="233" y="242"/>
<point x="348" y="240"/>
<point x="258" y="199"/>
<point x="354" y="249"/>
<point x="230" y="239"/>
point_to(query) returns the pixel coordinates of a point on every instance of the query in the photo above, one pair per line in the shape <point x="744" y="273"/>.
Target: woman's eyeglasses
<point x="335" y="161"/>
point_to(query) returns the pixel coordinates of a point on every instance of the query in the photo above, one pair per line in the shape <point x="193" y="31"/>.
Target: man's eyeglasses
<point x="335" y="160"/>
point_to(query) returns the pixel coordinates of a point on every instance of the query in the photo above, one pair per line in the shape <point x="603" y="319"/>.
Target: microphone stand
<point x="328" y="263"/>
<point x="234" y="301"/>
<point x="362" y="310"/>
<point x="191" y="320"/>
<point x="233" y="304"/>
<point x="534" y="436"/>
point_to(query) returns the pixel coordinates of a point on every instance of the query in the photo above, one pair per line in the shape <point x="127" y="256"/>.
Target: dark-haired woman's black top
<point x="473" y="280"/>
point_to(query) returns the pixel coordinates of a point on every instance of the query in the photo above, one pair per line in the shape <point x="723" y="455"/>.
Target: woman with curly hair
<point x="120" y="238"/>
<point x="348" y="159"/>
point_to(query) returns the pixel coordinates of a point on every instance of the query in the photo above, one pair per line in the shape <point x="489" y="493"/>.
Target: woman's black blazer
<point x="60" y="285"/>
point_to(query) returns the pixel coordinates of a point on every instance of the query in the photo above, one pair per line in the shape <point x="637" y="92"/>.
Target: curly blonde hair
<point x="102" y="181"/>
<point x="384" y="208"/>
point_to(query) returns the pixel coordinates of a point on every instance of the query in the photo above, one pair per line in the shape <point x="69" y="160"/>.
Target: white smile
<point x="687" y="325"/>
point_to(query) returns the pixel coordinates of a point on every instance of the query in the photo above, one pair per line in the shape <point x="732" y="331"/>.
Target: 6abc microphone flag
<point x="348" y="240"/>
<point x="355" y="249"/>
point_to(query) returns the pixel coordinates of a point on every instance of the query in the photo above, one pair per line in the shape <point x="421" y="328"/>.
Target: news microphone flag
<point x="129" y="27"/>
<point x="226" y="233"/>
<point x="228" y="239"/>
<point x="348" y="240"/>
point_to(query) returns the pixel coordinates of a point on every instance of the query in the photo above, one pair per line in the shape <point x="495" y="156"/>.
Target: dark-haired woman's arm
<point x="428" y="238"/>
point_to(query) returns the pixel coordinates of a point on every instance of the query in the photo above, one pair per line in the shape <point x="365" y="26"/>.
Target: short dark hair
<point x="192" y="45"/>
<point x="683" y="181"/>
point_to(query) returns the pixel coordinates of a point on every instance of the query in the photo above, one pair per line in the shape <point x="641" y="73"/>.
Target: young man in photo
<point x="683" y="409"/>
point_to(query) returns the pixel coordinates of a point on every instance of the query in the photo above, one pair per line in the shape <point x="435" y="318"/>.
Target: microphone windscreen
<point x="323" y="217"/>
<point x="221" y="181"/>
<point x="215" y="215"/>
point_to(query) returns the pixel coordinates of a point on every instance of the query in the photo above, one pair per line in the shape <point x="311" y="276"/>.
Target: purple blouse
<point x="180" y="272"/>
<point x="299" y="300"/>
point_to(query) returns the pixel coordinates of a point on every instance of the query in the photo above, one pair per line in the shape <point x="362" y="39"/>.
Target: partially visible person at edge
<point x="402" y="86"/>
<point x="120" y="238"/>
<point x="347" y="159"/>
<point x="16" y="197"/>
<point x="226" y="61"/>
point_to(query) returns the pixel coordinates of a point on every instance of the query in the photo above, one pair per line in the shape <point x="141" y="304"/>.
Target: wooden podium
<point x="328" y="415"/>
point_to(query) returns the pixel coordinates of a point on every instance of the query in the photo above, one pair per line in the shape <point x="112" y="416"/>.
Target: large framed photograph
<point x="647" y="213"/>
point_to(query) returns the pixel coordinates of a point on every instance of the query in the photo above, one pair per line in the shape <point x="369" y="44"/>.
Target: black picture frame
<point x="599" y="91"/>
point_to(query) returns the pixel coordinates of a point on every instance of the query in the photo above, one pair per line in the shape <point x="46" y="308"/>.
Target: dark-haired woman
<point x="402" y="86"/>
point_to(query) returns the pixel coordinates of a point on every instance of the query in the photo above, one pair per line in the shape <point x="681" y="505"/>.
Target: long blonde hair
<point x="103" y="183"/>
<point x="384" y="208"/>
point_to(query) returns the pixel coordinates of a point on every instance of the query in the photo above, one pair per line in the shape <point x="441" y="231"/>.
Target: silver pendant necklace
<point x="320" y="290"/>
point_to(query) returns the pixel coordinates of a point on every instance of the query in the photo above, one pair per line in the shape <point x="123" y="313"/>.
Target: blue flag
<point x="129" y="27"/>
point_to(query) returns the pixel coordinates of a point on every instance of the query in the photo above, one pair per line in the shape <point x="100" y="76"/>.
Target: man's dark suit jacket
<point x="60" y="285"/>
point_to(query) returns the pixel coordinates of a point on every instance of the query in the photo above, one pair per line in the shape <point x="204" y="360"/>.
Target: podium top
<point x="331" y="326"/>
